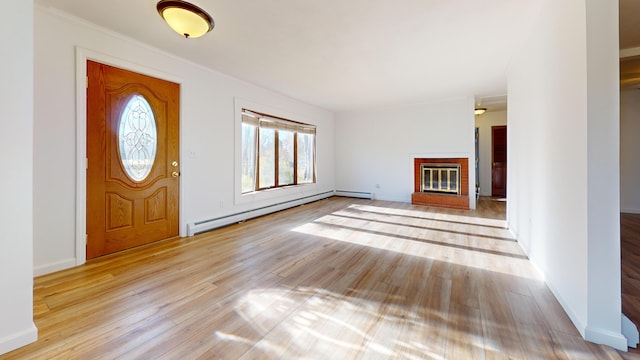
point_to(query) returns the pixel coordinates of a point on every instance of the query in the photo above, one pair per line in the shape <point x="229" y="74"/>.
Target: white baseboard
<point x="53" y="267"/>
<point x="630" y="211"/>
<point x="354" y="194"/>
<point x="577" y="321"/>
<point x="206" y="225"/>
<point x="606" y="337"/>
<point x="19" y="339"/>
<point x="630" y="331"/>
<point x="599" y="336"/>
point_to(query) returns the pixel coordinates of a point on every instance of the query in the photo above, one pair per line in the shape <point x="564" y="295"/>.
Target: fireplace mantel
<point x="460" y="201"/>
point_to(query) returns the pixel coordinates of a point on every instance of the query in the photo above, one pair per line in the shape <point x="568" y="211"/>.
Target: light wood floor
<point x="336" y="279"/>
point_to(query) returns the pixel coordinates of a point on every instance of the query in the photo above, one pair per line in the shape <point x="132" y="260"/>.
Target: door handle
<point x="175" y="174"/>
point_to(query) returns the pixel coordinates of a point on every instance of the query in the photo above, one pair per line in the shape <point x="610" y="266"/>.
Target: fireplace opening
<point x="441" y="182"/>
<point x="440" y="178"/>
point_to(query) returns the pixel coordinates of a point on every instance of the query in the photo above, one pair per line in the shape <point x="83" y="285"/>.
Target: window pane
<point x="285" y="157"/>
<point x="305" y="158"/>
<point x="248" y="157"/>
<point x="267" y="159"/>
<point x="137" y="138"/>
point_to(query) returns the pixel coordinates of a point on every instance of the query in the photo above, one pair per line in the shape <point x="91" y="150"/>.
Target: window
<point x="249" y="140"/>
<point x="276" y="152"/>
<point x="137" y="138"/>
<point x="305" y="153"/>
<point x="286" y="157"/>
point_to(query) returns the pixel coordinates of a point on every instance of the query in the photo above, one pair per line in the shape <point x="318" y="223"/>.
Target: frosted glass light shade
<point x="185" y="18"/>
<point x="479" y="111"/>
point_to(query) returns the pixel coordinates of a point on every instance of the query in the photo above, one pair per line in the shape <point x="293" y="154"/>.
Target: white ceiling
<point x="340" y="54"/>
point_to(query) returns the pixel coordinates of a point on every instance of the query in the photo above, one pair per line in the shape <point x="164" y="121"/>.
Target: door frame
<point x="82" y="55"/>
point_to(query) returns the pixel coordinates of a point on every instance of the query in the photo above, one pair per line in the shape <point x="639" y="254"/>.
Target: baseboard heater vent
<point x="206" y="225"/>
<point x="355" y="194"/>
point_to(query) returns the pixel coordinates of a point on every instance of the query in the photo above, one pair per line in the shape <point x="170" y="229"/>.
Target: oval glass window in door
<point x="137" y="138"/>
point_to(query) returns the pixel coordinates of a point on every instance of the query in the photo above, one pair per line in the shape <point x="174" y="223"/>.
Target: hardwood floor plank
<point x="533" y="331"/>
<point x="335" y="279"/>
<point x="464" y="338"/>
<point x="433" y="312"/>
<point x="501" y="342"/>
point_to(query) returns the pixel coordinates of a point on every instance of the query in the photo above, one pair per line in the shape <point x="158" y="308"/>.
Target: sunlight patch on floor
<point x="468" y="245"/>
<point x="313" y="317"/>
<point x="433" y="215"/>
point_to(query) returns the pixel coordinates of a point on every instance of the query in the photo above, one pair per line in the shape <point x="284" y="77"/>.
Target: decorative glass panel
<point x="138" y="138"/>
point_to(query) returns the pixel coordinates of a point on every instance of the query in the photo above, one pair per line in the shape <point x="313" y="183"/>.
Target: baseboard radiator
<point x="354" y="194"/>
<point x="206" y="225"/>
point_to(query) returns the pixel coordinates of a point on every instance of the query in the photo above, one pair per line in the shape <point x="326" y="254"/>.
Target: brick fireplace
<point x="435" y="185"/>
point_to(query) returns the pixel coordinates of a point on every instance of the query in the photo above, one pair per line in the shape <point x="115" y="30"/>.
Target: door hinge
<point x="87" y="82"/>
<point x="86" y="163"/>
<point x="86" y="239"/>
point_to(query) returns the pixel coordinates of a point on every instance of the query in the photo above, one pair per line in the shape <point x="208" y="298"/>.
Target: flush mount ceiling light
<point x="479" y="111"/>
<point x="185" y="18"/>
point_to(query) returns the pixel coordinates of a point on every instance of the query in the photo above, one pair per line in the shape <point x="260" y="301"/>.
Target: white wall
<point x="208" y="122"/>
<point x="376" y="147"/>
<point x="484" y="123"/>
<point x="16" y="143"/>
<point x="629" y="151"/>
<point x="563" y="163"/>
<point x="603" y="114"/>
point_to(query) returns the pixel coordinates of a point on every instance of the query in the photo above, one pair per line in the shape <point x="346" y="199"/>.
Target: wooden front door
<point x="499" y="161"/>
<point x="132" y="165"/>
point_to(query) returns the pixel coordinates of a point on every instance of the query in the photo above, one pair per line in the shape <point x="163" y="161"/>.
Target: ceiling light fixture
<point x="185" y="18"/>
<point x="479" y="111"/>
